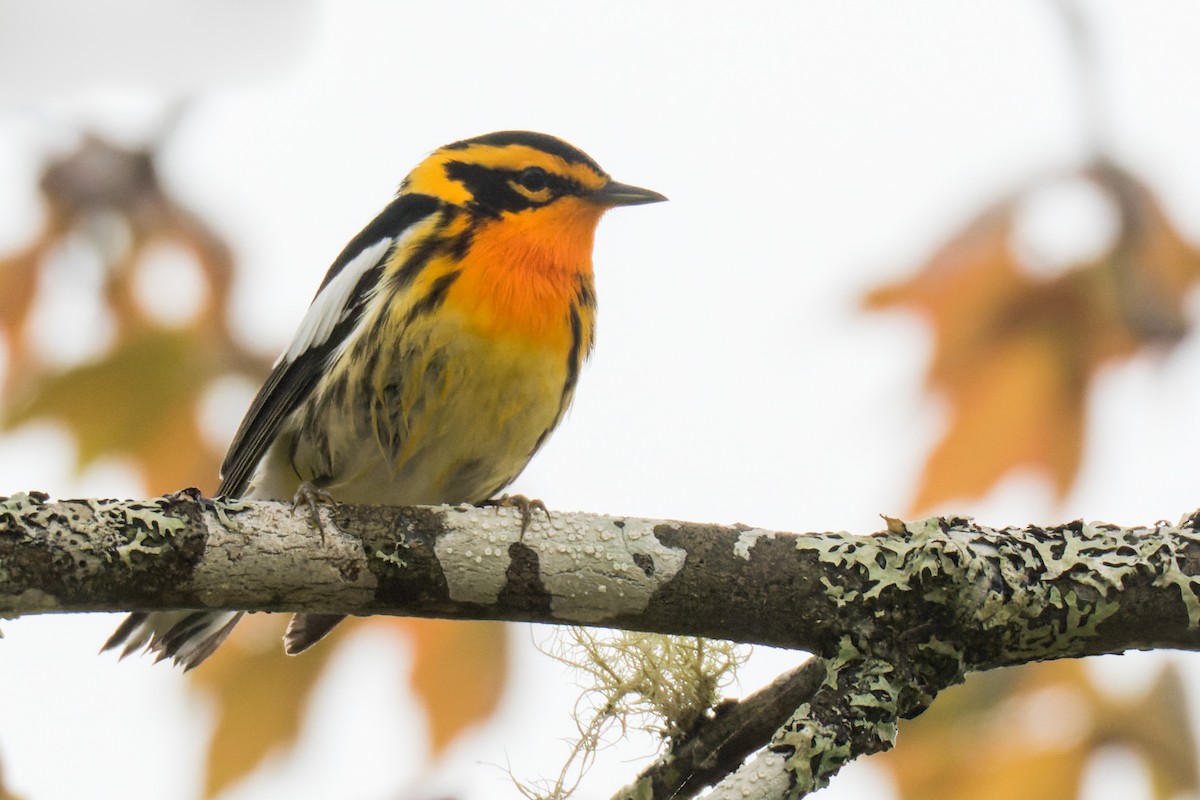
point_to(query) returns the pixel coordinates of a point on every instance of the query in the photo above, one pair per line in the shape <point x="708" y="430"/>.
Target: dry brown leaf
<point x="1155" y="725"/>
<point x="19" y="276"/>
<point x="1032" y="731"/>
<point x="1014" y="357"/>
<point x="1152" y="267"/>
<point x="261" y="695"/>
<point x="459" y="674"/>
<point x="139" y="399"/>
<point x="1015" y="354"/>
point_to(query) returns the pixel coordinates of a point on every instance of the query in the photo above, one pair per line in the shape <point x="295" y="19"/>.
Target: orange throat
<point x="524" y="270"/>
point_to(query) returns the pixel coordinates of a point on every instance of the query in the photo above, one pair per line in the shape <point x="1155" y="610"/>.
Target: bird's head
<point x="511" y="172"/>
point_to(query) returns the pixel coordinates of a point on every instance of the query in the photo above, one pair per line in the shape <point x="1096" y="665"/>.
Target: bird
<point x="440" y="351"/>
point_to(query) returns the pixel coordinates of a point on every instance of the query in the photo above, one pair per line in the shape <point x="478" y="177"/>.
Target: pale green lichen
<point x="134" y="527"/>
<point x="1003" y="581"/>
<point x="936" y="646"/>
<point x="1041" y="570"/>
<point x="746" y="541"/>
<point x="836" y="594"/>
<point x="25" y="511"/>
<point x="818" y="751"/>
<point x="223" y="507"/>
<point x="150" y="515"/>
<point x="868" y="709"/>
<point x="390" y="554"/>
<point x="97" y="526"/>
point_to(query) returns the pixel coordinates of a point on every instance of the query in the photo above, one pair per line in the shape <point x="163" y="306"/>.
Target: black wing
<point x="335" y="310"/>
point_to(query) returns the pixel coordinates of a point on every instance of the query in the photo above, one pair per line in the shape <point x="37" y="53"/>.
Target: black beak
<point x="622" y="194"/>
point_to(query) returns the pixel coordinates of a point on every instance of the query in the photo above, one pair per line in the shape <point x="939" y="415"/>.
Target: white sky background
<point x="810" y="151"/>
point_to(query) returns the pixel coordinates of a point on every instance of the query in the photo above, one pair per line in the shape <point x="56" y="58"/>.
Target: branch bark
<point x="720" y="745"/>
<point x="898" y="615"/>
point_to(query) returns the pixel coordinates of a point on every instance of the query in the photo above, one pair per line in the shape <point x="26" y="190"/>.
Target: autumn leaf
<point x="20" y="276"/>
<point x="260" y="695"/>
<point x="459" y="674"/>
<point x="1015" y="354"/>
<point x="140" y="397"/>
<point x="140" y="400"/>
<point x="1155" y="725"/>
<point x="1032" y="732"/>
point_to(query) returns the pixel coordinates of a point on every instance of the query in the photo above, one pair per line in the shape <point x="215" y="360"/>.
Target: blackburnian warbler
<point x="440" y="351"/>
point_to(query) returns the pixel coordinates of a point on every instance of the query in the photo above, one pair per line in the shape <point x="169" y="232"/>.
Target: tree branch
<point x="720" y="744"/>
<point x="898" y="615"/>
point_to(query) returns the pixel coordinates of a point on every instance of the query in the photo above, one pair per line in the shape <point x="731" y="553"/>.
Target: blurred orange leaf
<point x="261" y="695"/>
<point x="20" y="274"/>
<point x="1157" y="727"/>
<point x="139" y="398"/>
<point x="1032" y="731"/>
<point x="1015" y="354"/>
<point x="459" y="674"/>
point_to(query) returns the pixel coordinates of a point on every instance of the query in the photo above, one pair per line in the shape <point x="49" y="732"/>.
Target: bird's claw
<point x="519" y="501"/>
<point x="311" y="495"/>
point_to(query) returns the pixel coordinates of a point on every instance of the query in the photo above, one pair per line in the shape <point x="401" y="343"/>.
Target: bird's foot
<point x="311" y="495"/>
<point x="521" y="502"/>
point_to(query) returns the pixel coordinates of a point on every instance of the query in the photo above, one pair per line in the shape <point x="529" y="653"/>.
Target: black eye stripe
<point x="494" y="190"/>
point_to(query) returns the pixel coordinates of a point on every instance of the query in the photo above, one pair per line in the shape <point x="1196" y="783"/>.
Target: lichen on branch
<point x="897" y="615"/>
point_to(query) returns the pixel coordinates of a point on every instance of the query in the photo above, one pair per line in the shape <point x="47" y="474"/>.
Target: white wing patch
<point x="329" y="306"/>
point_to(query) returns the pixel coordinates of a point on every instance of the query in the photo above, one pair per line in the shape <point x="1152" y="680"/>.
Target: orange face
<point x="527" y="206"/>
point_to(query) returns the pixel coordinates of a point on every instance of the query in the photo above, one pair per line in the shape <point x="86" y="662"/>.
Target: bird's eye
<point x="533" y="178"/>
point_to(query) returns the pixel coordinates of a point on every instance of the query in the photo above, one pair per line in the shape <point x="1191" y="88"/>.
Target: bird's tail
<point x="186" y="637"/>
<point x="305" y="630"/>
